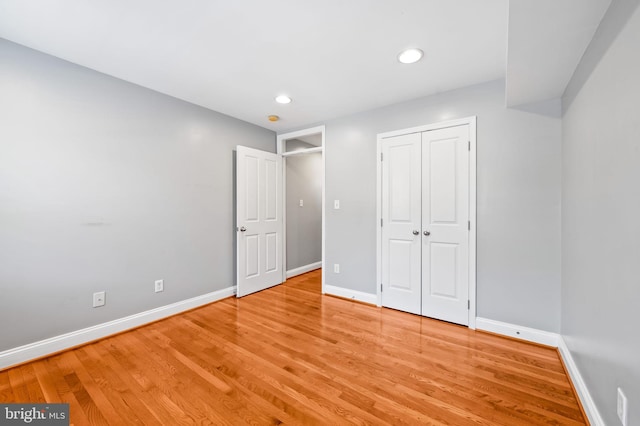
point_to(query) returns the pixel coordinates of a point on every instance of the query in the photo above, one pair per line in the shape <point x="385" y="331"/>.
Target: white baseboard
<point x="351" y="294"/>
<point x="59" y="343"/>
<point x="524" y="333"/>
<point x="581" y="388"/>
<point x="304" y="269"/>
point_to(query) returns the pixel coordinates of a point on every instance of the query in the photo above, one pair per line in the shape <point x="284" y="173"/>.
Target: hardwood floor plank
<point x="96" y="406"/>
<point x="6" y="391"/>
<point x="47" y="383"/>
<point x="275" y="379"/>
<point x="289" y="355"/>
<point x="231" y="368"/>
<point x="146" y="394"/>
<point x="16" y="380"/>
<point x="115" y="390"/>
<point x="31" y="382"/>
<point x="64" y="390"/>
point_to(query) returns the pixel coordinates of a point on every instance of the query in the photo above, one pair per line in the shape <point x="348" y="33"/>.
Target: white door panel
<point x="401" y="213"/>
<point x="442" y="261"/>
<point x="271" y="181"/>
<point x="441" y="167"/>
<point x="252" y="255"/>
<point x="271" y="244"/>
<point x="445" y="215"/>
<point x="259" y="220"/>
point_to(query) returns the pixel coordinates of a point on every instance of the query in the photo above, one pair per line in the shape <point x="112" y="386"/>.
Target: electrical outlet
<point x="336" y="268"/>
<point x="622" y="407"/>
<point x="336" y="204"/>
<point x="301" y="203"/>
<point x="159" y="286"/>
<point x="99" y="299"/>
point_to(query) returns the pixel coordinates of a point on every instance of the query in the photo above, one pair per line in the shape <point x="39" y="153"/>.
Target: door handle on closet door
<point x="416" y="232"/>
<point x="426" y="233"/>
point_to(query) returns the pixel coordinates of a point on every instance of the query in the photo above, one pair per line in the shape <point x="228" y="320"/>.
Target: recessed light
<point x="273" y="118"/>
<point x="410" y="56"/>
<point x="283" y="99"/>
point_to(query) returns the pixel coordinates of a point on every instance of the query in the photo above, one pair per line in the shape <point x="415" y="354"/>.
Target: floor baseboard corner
<point x="304" y="269"/>
<point x="588" y="404"/>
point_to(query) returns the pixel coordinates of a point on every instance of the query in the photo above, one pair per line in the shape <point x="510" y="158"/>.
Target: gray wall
<point x="105" y="185"/>
<point x="601" y="213"/>
<point x="518" y="189"/>
<point x="304" y="224"/>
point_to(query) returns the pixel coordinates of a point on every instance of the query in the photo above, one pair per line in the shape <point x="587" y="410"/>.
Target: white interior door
<point x="445" y="216"/>
<point x="425" y="214"/>
<point x="259" y="220"/>
<point x="401" y="194"/>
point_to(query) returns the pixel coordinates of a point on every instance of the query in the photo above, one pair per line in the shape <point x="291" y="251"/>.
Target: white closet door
<point x="259" y="220"/>
<point x="401" y="238"/>
<point x="445" y="216"/>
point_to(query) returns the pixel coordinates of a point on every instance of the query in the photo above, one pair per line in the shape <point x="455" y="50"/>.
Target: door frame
<point x="471" y="122"/>
<point x="280" y="149"/>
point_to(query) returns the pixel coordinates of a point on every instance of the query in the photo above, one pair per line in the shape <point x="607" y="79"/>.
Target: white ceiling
<point x="332" y="57"/>
<point x="547" y="39"/>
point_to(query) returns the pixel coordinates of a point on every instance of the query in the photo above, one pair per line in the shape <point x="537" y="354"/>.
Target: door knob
<point x="242" y="229"/>
<point x="416" y="232"/>
<point x="426" y="233"/>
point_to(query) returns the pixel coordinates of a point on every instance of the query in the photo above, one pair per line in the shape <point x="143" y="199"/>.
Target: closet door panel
<point x="401" y="194"/>
<point x="445" y="215"/>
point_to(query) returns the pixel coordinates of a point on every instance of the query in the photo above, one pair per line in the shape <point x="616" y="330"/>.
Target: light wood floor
<point x="289" y="355"/>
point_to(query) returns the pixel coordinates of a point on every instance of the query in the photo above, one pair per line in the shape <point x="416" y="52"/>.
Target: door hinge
<point x="381" y="222"/>
<point x="380" y="287"/>
<point x="468" y="304"/>
<point x="381" y="157"/>
<point x="469" y="225"/>
<point x="469" y="145"/>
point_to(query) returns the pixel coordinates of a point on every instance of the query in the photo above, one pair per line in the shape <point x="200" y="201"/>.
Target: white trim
<point x="280" y="140"/>
<point x="303" y="269"/>
<point x="379" y="221"/>
<point x="351" y="294"/>
<point x="588" y="404"/>
<point x="428" y="127"/>
<point x="524" y="333"/>
<point x="302" y="151"/>
<point x="324" y="226"/>
<point x="472" y="218"/>
<point x="471" y="122"/>
<point x="299" y="133"/>
<point x="65" y="341"/>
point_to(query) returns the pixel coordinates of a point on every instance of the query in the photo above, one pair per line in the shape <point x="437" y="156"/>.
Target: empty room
<point x="319" y="213"/>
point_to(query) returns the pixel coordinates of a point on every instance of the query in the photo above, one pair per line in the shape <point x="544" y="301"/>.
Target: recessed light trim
<point x="283" y="99"/>
<point x="410" y="56"/>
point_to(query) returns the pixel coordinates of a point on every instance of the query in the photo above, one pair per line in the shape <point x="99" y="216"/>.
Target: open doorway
<point x="303" y="200"/>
